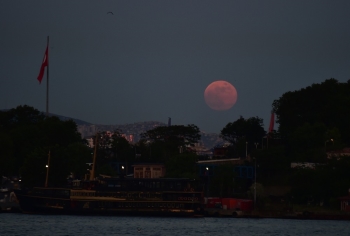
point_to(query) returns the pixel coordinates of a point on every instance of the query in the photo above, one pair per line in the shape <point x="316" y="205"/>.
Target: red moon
<point x="220" y="95"/>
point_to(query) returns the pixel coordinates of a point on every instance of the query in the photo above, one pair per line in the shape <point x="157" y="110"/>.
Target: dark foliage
<point x="28" y="138"/>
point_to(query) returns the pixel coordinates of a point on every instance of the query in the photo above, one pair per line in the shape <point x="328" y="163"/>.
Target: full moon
<point x="220" y="95"/>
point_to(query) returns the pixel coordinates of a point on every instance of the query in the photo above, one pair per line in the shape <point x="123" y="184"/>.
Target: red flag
<point x="44" y="64"/>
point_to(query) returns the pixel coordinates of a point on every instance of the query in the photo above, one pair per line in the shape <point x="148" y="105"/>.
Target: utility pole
<point x="92" y="174"/>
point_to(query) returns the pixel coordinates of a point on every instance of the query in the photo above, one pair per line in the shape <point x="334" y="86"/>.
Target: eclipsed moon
<point x="220" y="95"/>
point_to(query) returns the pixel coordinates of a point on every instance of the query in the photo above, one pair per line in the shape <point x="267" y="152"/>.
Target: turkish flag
<point x="44" y="64"/>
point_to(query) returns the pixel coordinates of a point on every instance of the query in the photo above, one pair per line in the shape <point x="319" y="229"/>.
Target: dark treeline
<point x="26" y="139"/>
<point x="313" y="122"/>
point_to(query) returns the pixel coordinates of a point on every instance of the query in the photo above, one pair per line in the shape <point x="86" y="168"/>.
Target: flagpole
<point x="47" y="109"/>
<point x="47" y="80"/>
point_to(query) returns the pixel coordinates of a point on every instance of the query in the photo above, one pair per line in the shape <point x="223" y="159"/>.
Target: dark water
<point x="23" y="224"/>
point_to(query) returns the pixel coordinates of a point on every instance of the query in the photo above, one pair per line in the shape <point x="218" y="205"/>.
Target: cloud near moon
<point x="220" y="95"/>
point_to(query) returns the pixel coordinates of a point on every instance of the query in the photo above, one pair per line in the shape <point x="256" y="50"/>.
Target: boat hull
<point x="101" y="206"/>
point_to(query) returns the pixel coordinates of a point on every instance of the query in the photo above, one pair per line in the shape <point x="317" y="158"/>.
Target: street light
<point x="207" y="179"/>
<point x="47" y="170"/>
<point x="325" y="143"/>
<point x="246" y="149"/>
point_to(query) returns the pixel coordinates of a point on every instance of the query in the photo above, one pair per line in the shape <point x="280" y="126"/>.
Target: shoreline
<point x="221" y="213"/>
<point x="306" y="215"/>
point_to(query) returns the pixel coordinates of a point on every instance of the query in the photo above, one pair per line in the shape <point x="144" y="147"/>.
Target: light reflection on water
<point x="24" y="224"/>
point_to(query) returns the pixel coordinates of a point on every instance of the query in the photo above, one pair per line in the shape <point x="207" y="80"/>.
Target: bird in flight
<point x="110" y="12"/>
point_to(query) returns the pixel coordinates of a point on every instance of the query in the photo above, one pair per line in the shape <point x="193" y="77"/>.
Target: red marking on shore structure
<point x="272" y="122"/>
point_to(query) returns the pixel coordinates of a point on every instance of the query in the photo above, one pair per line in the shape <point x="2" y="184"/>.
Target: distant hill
<point x="77" y="121"/>
<point x="134" y="130"/>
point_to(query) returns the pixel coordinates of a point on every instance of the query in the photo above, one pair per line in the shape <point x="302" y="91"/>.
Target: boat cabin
<point x="149" y="171"/>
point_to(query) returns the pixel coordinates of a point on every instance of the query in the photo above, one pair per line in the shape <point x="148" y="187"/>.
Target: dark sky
<point x="153" y="59"/>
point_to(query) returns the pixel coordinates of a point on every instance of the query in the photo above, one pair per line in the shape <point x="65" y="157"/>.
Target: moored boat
<point x="117" y="196"/>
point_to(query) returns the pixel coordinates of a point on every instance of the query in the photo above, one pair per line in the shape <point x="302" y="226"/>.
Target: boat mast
<point x="92" y="174"/>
